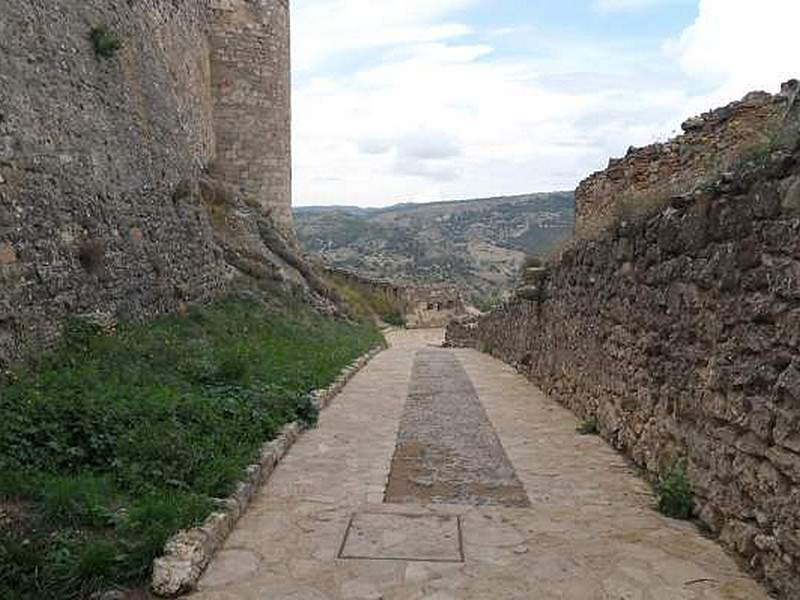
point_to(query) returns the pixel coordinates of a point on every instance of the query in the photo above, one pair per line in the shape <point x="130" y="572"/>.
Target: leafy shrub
<point x="588" y="426"/>
<point x="75" y="500"/>
<point x="674" y="492"/>
<point x="394" y="318"/>
<point x="106" y="43"/>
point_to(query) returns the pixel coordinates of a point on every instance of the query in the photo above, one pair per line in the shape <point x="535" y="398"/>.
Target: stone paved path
<point x="320" y="528"/>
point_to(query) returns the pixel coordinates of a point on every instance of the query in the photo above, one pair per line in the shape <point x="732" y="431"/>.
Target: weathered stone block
<point x="787" y="429"/>
<point x="786" y="461"/>
<point x="8" y="256"/>
<point x="791" y="194"/>
<point x="789" y="382"/>
<point x="741" y="536"/>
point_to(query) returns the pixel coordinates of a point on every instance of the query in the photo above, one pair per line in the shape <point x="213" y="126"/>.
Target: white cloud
<point x="371" y="145"/>
<point x="429" y="145"/>
<point x="449" y="120"/>
<point x="329" y="27"/>
<point x="740" y="46"/>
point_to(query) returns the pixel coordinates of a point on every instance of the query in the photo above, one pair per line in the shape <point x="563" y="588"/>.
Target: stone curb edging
<point x="188" y="553"/>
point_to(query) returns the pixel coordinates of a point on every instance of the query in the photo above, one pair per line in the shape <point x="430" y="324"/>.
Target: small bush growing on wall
<point x="675" y="497"/>
<point x="106" y="43"/>
<point x="588" y="427"/>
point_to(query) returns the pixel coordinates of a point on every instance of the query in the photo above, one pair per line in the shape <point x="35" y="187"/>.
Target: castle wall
<point x="679" y="332"/>
<point x="100" y="158"/>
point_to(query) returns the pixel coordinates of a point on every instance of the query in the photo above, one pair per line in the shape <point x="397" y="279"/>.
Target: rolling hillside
<point x="477" y="245"/>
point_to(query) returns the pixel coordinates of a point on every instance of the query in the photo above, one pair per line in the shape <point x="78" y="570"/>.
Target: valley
<point x="477" y="245"/>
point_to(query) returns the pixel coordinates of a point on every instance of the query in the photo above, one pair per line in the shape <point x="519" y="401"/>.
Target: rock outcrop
<point x="679" y="332"/>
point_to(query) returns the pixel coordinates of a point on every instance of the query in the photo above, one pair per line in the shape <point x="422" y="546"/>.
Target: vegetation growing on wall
<point x="588" y="426"/>
<point x="123" y="437"/>
<point x="739" y="137"/>
<point x="674" y="492"/>
<point x="486" y="303"/>
<point x="106" y="43"/>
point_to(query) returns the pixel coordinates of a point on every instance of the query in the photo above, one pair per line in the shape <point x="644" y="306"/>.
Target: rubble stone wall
<point x="679" y="332"/>
<point x="101" y="157"/>
<point x="711" y="143"/>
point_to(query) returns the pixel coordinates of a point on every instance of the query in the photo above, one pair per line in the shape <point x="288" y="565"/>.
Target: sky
<point x="428" y="100"/>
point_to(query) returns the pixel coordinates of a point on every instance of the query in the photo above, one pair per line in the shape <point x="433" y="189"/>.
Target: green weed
<point x="106" y="43"/>
<point x="674" y="492"/>
<point x="588" y="426"/>
<point x="486" y="303"/>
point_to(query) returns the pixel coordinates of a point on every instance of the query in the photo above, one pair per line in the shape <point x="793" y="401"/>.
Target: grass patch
<point x="106" y="43"/>
<point x="674" y="493"/>
<point x="486" y="303"/>
<point x="114" y="442"/>
<point x="588" y="427"/>
<point x="394" y="318"/>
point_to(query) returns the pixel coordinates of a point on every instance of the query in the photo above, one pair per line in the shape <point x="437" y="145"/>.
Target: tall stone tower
<point x="251" y="91"/>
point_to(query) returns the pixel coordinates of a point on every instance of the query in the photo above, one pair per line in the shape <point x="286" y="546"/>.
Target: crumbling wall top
<point x="710" y="144"/>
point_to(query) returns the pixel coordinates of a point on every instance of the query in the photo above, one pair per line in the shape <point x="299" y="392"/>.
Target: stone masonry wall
<point x="250" y="79"/>
<point x="680" y="333"/>
<point x="710" y="144"/>
<point x="102" y="159"/>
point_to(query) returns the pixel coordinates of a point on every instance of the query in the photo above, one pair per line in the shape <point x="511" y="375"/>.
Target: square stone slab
<point x="428" y="538"/>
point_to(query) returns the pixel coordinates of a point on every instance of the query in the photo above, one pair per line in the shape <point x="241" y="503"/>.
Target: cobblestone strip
<point x="187" y="553"/>
<point x="447" y="450"/>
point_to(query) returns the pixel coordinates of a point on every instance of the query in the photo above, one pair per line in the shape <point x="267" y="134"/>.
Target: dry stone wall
<point x="102" y="159"/>
<point x="680" y="333"/>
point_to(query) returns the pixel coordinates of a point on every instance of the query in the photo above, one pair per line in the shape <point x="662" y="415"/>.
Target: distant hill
<point x="477" y="245"/>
